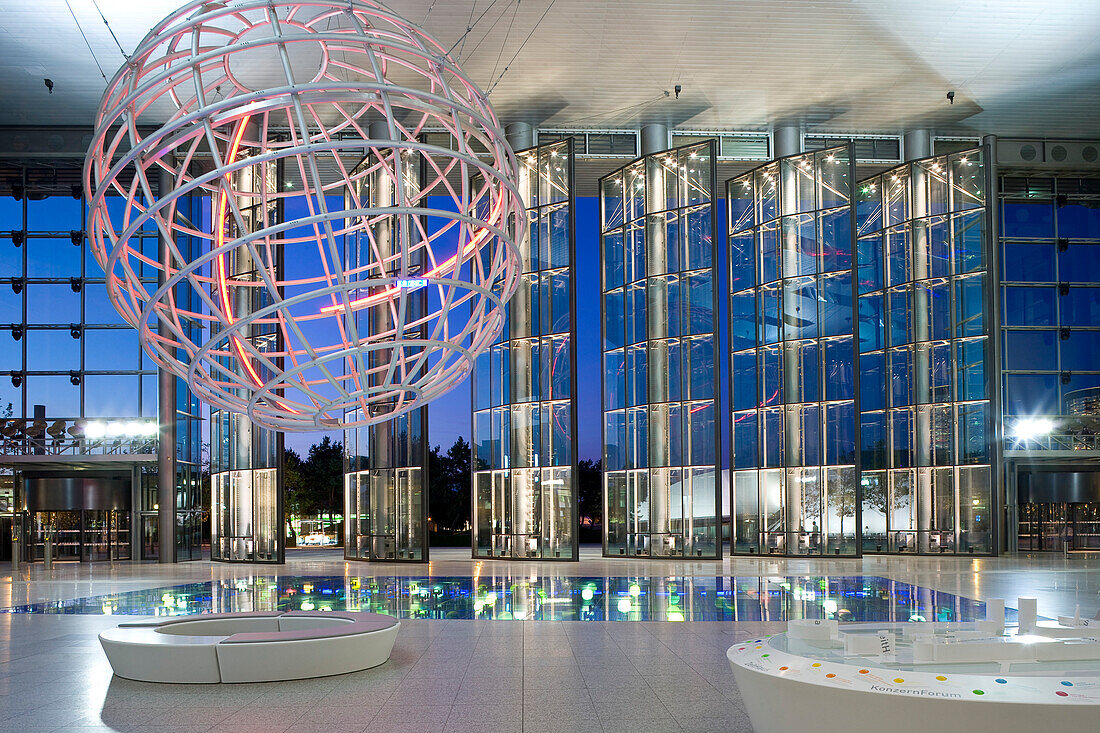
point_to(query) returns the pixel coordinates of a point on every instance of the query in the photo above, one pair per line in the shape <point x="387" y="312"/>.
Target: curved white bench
<point x="249" y="647"/>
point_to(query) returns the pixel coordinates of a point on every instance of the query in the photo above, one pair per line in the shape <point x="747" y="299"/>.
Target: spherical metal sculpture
<point x="335" y="202"/>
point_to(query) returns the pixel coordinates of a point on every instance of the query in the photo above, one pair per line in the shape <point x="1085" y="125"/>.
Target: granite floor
<point x="455" y="675"/>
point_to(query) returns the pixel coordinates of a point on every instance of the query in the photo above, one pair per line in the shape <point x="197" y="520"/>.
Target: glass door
<point x="118" y="533"/>
<point x="150" y="537"/>
<point x="1052" y="526"/>
<point x="96" y="545"/>
<point x="61" y="529"/>
<point x="1084" y="530"/>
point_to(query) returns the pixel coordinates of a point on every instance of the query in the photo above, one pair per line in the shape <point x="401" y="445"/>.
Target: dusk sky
<point x="450" y="416"/>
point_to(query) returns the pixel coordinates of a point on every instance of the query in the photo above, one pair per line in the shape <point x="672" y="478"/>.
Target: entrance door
<point x="63" y="529"/>
<point x="97" y="543"/>
<point x="1085" y="528"/>
<point x="1050" y="527"/>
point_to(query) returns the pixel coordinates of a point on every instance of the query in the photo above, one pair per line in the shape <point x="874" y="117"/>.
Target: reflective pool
<point x="547" y="598"/>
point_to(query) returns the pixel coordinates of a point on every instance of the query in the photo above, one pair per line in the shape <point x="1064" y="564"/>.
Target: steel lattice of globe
<point x="334" y="252"/>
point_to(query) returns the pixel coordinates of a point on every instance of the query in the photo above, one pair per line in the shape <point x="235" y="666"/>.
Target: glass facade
<point x="925" y="315"/>
<point x="793" y="382"/>
<point x="1050" y="293"/>
<point x="70" y="352"/>
<point x="524" y="421"/>
<point x="247" y="522"/>
<point x="385" y="481"/>
<point x="660" y="395"/>
<point x="245" y="491"/>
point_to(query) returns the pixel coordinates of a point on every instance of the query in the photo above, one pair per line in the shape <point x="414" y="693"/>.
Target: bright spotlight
<point x="95" y="430"/>
<point x="1030" y="428"/>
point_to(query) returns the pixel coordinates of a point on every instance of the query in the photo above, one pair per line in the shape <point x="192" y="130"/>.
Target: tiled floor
<point x="454" y="675"/>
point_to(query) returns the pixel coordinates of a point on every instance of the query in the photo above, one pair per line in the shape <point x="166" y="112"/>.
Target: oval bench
<point x="260" y="646"/>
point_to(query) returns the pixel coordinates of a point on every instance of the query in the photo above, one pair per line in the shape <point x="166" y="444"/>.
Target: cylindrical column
<point x="1004" y="525"/>
<point x="166" y="413"/>
<point x="918" y="144"/>
<point x="788" y="141"/>
<point x="520" y="136"/>
<point x="655" y="138"/>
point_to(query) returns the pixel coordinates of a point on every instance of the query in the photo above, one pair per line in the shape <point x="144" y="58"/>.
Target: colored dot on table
<point x="941" y="678"/>
<point x="1000" y="681"/>
<point x="899" y="680"/>
<point x="816" y="664"/>
<point x="759" y="647"/>
<point x="979" y="692"/>
<point x="765" y="655"/>
<point x="1067" y="683"/>
<point x="783" y="669"/>
<point x="830" y="675"/>
<point x="864" y="671"/>
<point x="1062" y="694"/>
<point x="741" y="649"/>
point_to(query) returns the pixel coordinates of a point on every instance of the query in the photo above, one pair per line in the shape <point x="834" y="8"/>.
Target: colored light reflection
<point x="545" y="598"/>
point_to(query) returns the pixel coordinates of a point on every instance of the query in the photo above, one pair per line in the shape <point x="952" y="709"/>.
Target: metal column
<point x="655" y="138"/>
<point x="788" y="141"/>
<point x="917" y="144"/>
<point x="520" y="136"/>
<point x="166" y="412"/>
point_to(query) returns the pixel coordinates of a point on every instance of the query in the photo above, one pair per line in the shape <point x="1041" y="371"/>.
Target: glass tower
<point x="385" y="505"/>
<point x="926" y="369"/>
<point x="524" y="422"/>
<point x="247" y="522"/>
<point x="660" y="395"/>
<point x="795" y="470"/>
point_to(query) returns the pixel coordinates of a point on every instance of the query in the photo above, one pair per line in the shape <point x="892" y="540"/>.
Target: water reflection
<point x="547" y="598"/>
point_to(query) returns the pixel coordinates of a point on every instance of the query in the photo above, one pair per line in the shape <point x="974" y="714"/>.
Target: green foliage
<point x="589" y="493"/>
<point x="314" y="486"/>
<point x="449" y="487"/>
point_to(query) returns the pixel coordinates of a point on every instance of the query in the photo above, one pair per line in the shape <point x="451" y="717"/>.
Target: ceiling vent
<point x="1048" y="154"/>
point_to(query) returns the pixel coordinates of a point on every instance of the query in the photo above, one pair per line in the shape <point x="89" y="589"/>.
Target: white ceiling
<point x="1018" y="67"/>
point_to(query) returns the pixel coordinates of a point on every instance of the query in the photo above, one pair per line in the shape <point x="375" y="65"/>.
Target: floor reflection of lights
<point x="545" y="598"/>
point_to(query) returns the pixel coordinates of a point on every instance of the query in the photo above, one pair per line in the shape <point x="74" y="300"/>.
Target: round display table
<point x="892" y="677"/>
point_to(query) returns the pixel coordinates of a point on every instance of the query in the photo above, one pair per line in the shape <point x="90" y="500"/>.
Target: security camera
<point x="74" y="378"/>
<point x="951" y="97"/>
<point x="17" y="332"/>
<point x="49" y="85"/>
<point x="16" y="379"/>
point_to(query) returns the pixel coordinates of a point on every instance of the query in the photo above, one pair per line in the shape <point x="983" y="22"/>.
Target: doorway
<point x="1047" y="527"/>
<point x="80" y="535"/>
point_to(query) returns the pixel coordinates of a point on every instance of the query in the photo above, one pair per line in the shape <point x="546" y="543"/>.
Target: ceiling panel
<point x="1018" y="68"/>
